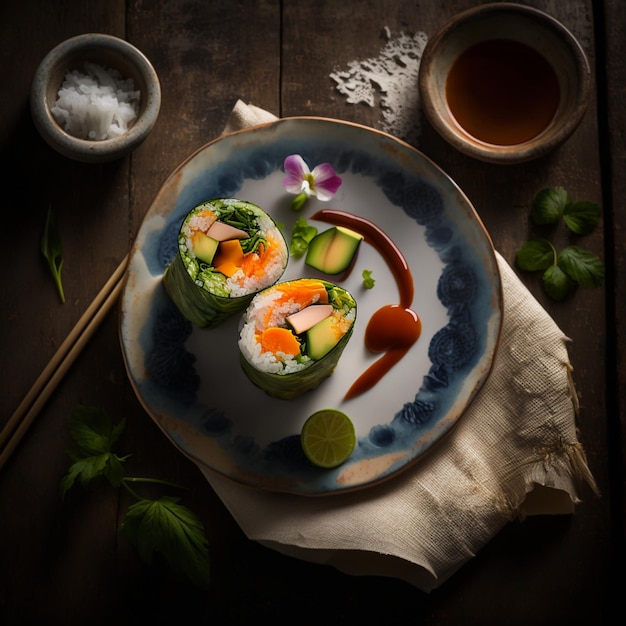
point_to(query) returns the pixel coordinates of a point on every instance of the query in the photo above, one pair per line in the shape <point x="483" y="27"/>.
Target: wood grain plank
<point x="613" y="126"/>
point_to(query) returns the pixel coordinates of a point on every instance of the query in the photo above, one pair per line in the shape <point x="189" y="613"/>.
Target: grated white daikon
<point x="97" y="105"/>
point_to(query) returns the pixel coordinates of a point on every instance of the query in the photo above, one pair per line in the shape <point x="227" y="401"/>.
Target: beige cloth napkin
<point x="514" y="453"/>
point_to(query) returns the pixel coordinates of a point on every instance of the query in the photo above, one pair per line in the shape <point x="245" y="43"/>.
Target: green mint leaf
<point x="92" y="429"/>
<point x="535" y="255"/>
<point x="368" y="281"/>
<point x="582" y="217"/>
<point x="549" y="205"/>
<point x="582" y="266"/>
<point x="52" y="250"/>
<point x="166" y="527"/>
<point x="556" y="283"/>
<point x="301" y="235"/>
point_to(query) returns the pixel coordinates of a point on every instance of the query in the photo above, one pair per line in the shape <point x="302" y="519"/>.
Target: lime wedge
<point x="328" y="438"/>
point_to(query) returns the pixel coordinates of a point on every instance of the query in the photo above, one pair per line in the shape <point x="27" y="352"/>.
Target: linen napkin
<point x="515" y="452"/>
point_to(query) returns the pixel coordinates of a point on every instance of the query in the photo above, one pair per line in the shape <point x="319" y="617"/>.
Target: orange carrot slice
<point x="277" y="339"/>
<point x="305" y="292"/>
<point x="228" y="268"/>
<point x="254" y="264"/>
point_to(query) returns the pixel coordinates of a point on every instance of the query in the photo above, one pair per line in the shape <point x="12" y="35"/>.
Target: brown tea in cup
<point x="502" y="92"/>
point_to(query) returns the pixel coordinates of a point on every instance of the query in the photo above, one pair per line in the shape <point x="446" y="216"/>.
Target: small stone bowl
<point x="522" y="25"/>
<point x="110" y="53"/>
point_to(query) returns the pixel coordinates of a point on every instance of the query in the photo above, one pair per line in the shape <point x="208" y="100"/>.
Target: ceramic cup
<point x="111" y="53"/>
<point x="504" y="83"/>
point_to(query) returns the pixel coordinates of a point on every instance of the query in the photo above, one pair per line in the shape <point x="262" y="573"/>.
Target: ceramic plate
<point x="190" y="380"/>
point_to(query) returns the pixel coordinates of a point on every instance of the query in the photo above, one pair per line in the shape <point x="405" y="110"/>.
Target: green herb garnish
<point x="153" y="526"/>
<point x="572" y="266"/>
<point x="552" y="204"/>
<point x="301" y="235"/>
<point x="52" y="250"/>
<point x="368" y="281"/>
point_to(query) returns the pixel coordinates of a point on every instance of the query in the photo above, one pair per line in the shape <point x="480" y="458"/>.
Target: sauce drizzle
<point x="394" y="328"/>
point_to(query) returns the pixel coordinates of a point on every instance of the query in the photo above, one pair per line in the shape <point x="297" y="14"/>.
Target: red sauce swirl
<point x="394" y="328"/>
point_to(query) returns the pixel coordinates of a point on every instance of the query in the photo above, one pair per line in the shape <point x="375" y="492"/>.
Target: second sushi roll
<point x="293" y="333"/>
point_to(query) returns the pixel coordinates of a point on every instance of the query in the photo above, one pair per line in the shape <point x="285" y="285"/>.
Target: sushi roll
<point x="293" y="334"/>
<point x="228" y="250"/>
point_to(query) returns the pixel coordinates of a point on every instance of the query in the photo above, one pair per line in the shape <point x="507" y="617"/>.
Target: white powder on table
<point x="389" y="81"/>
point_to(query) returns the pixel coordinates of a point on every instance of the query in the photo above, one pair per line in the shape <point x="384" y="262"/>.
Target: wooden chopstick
<point x="63" y="358"/>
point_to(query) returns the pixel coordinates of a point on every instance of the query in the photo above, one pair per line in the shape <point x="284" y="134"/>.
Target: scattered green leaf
<point x="582" y="217"/>
<point x="554" y="203"/>
<point x="92" y="429"/>
<point x="301" y="235"/>
<point x="94" y="435"/>
<point x="163" y="526"/>
<point x="548" y="205"/>
<point x="573" y="266"/>
<point x="368" y="281"/>
<point x="536" y="255"/>
<point x="557" y="284"/>
<point x="52" y="250"/>
<point x="582" y="266"/>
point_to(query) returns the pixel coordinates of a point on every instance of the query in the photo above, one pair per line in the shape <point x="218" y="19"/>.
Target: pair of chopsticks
<point x="58" y="366"/>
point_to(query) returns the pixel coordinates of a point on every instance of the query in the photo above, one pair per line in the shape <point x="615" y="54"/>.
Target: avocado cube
<point x="204" y="247"/>
<point x="333" y="250"/>
<point x="321" y="338"/>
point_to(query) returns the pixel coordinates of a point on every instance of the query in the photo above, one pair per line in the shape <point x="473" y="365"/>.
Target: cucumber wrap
<point x="288" y="374"/>
<point x="203" y="290"/>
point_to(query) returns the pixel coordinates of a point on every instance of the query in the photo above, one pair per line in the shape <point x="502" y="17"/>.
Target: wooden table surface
<point x="63" y="562"/>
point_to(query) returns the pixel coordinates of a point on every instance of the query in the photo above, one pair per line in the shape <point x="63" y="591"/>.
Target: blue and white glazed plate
<point x="190" y="380"/>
